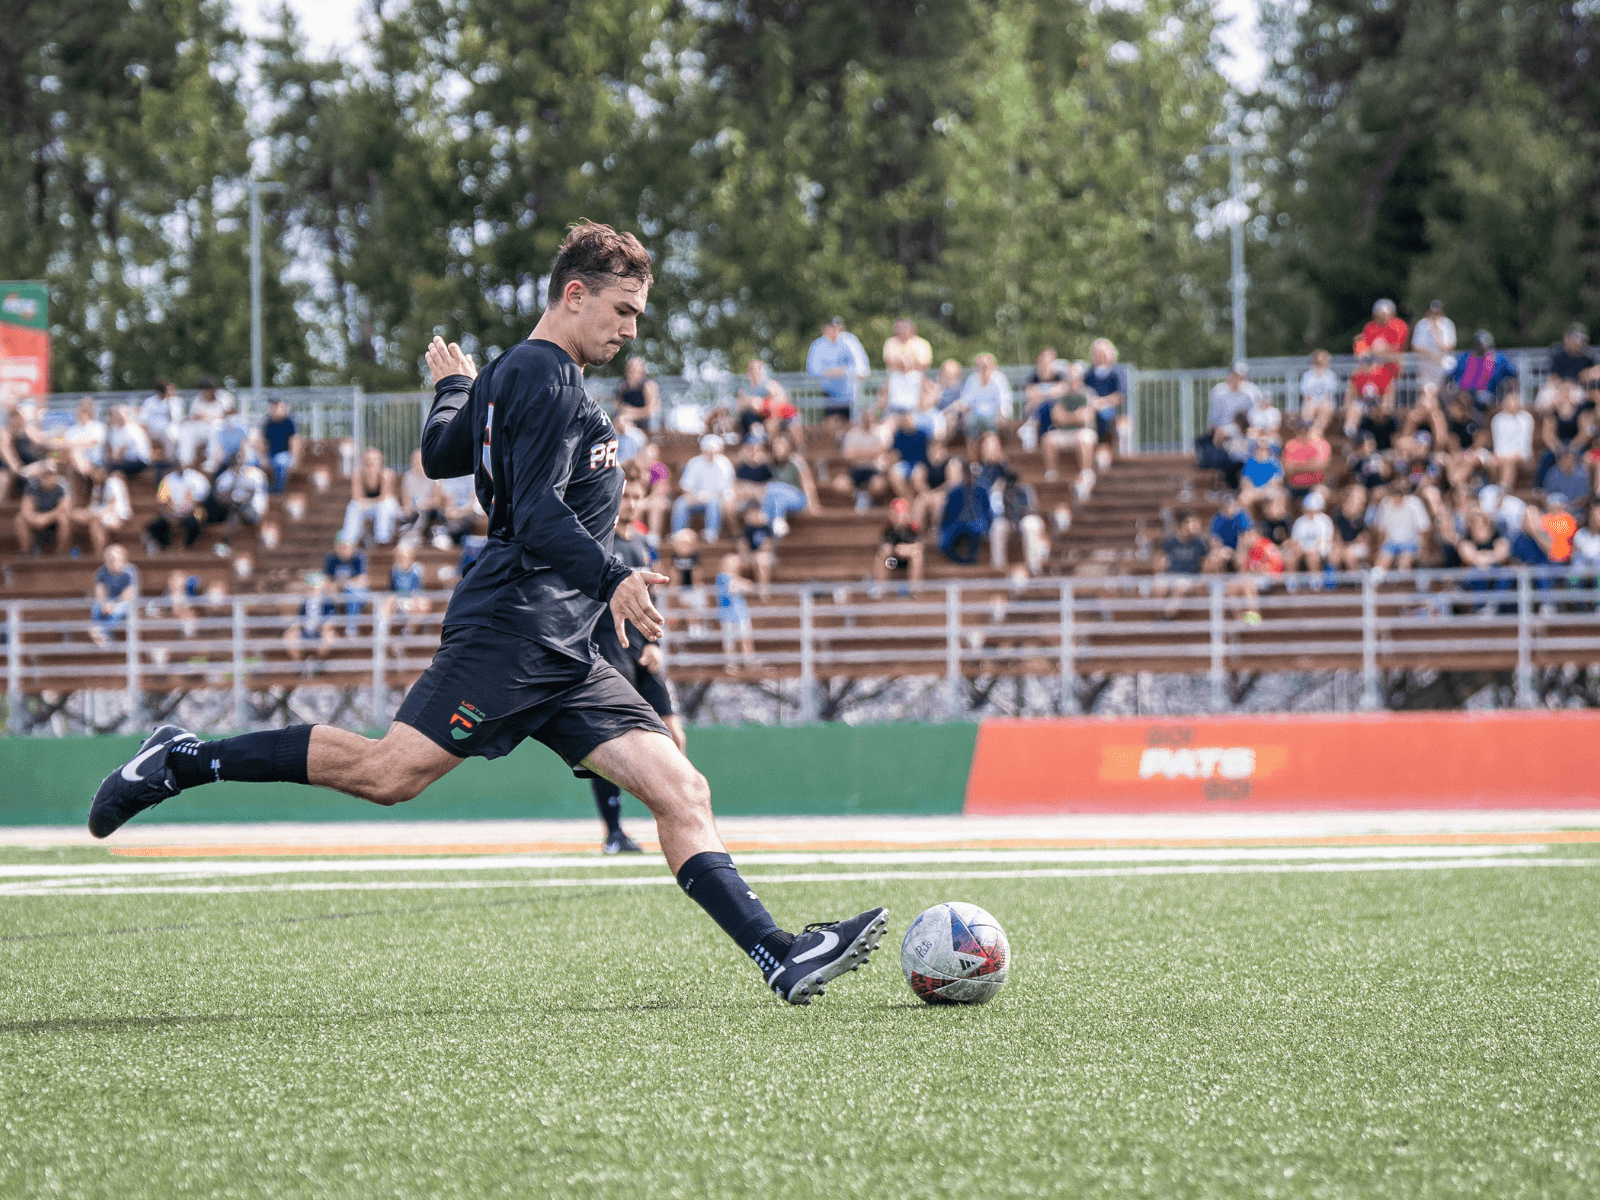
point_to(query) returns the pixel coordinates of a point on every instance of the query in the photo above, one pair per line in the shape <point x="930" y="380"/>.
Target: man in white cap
<point x="706" y="486"/>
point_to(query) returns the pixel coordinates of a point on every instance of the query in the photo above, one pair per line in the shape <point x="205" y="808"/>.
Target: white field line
<point x="65" y="872"/>
<point x="397" y="885"/>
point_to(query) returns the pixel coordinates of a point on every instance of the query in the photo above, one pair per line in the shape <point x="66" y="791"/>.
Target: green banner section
<point x="25" y="304"/>
<point x="753" y="770"/>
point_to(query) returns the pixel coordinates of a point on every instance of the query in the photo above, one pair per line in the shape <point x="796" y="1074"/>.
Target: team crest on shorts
<point x="464" y="720"/>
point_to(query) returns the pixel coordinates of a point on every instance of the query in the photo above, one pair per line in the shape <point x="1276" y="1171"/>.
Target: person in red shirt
<point x="1263" y="563"/>
<point x="1387" y="326"/>
<point x="1305" y="459"/>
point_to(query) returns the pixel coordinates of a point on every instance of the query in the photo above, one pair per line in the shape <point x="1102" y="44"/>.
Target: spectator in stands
<point x="1063" y="423"/>
<point x="756" y="546"/>
<point x="229" y="436"/>
<point x="314" y="622"/>
<point x="239" y="496"/>
<point x="406" y="584"/>
<point x="685" y="550"/>
<point x="205" y="412"/>
<point x="631" y="439"/>
<point x="1483" y="372"/>
<point x="128" y="449"/>
<point x="657" y="478"/>
<point x="346" y="567"/>
<point x="705" y="486"/>
<point x="985" y="399"/>
<point x="110" y="509"/>
<point x="282" y="437"/>
<point x="792" y="488"/>
<point x="1384" y="337"/>
<point x="908" y="455"/>
<point x="421" y="505"/>
<point x="1369" y="465"/>
<point x="1234" y="396"/>
<point x="1351" y="545"/>
<point x="1434" y="343"/>
<point x="1311" y="539"/>
<point x="1275" y="524"/>
<point x="161" y="415"/>
<point x="638" y="396"/>
<point x="1371" y="386"/>
<point x="906" y="359"/>
<point x="84" y="442"/>
<point x="44" y="521"/>
<point x="964" y="523"/>
<point x="1464" y="442"/>
<point x="864" y="461"/>
<point x="1260" y="566"/>
<point x="1373" y="415"/>
<point x="1482" y="548"/>
<point x="181" y="498"/>
<point x="751" y="474"/>
<point x="1512" y="432"/>
<point x="947" y="400"/>
<point x="733" y="611"/>
<point x="1043" y="388"/>
<point x="838" y="359"/>
<point x="374" y="497"/>
<point x="1305" y="458"/>
<point x="1263" y="418"/>
<point x="899" y="548"/>
<point x="461" y="511"/>
<point x="931" y="483"/>
<point x="1568" y="478"/>
<point x="1401" y="519"/>
<point x="22" y="451"/>
<point x="116" y="590"/>
<point x="1229" y="522"/>
<point x="1573" y="370"/>
<point x="1262" y="474"/>
<point x="182" y="590"/>
<point x="1586" y="548"/>
<point x="1319" y="392"/>
<point x="1179" y="562"/>
<point x="762" y="403"/>
<point x="1017" y="509"/>
<point x="1568" y="424"/>
<point x="1107" y="384"/>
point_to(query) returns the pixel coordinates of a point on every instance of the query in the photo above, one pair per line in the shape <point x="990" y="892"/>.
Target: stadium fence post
<point x="1069" y="651"/>
<point x="808" y="663"/>
<point x="952" y="647"/>
<point x="356" y="430"/>
<point x="1219" y="679"/>
<point x="1525" y="697"/>
<point x="238" y="663"/>
<point x="14" y="667"/>
<point x="1185" y="391"/>
<point x="1370" y="699"/>
<point x="380" y="685"/>
<point x="316" y="421"/>
<point x="135" y="694"/>
<point x="1135" y="441"/>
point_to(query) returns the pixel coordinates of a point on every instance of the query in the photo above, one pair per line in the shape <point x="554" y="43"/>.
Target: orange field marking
<point x="279" y="849"/>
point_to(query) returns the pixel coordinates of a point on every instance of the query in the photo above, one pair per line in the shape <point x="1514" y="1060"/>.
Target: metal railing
<point x="1501" y="620"/>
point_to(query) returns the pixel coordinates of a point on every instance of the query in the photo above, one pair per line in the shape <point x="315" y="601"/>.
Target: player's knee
<point x="394" y="791"/>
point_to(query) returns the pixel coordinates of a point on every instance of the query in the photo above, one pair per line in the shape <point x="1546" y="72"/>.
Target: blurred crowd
<point x="1467" y="476"/>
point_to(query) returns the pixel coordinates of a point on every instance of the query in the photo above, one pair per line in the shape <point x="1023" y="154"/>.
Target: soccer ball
<point x="955" y="954"/>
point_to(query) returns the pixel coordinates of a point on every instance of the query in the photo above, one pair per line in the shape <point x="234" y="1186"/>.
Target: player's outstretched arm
<point x="449" y="443"/>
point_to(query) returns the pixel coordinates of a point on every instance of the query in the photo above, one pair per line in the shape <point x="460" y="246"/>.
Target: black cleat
<point x="621" y="843"/>
<point x="824" y="952"/>
<point x="143" y="781"/>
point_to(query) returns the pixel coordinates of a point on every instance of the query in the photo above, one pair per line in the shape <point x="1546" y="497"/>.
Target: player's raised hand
<point x="631" y="602"/>
<point x="449" y="359"/>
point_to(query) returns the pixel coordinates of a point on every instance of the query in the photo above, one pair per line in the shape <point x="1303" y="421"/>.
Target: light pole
<point x="1238" y="280"/>
<point x="256" y="188"/>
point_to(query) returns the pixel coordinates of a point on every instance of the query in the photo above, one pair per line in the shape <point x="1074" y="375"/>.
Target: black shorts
<point x="485" y="692"/>
<point x="650" y="686"/>
<point x="861" y="476"/>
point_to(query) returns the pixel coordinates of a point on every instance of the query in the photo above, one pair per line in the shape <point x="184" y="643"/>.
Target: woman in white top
<point x="109" y="510"/>
<point x="1434" y="340"/>
<point x="1319" y="392"/>
<point x="85" y="441"/>
<point x="906" y="357"/>
<point x="205" y="414"/>
<point x="1512" y="431"/>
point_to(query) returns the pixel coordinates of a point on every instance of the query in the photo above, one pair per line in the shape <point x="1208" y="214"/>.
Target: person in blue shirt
<point x="840" y="361"/>
<point x="1480" y="373"/>
<point x="346" y="566"/>
<point x="283" y="442"/>
<point x="1107" y="385"/>
<point x="406" y="583"/>
<point x="1226" y="528"/>
<point x="734" y="611"/>
<point x="910" y="446"/>
<point x="1262" y="474"/>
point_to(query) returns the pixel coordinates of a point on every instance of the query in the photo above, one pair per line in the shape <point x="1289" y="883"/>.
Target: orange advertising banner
<point x="1267" y="764"/>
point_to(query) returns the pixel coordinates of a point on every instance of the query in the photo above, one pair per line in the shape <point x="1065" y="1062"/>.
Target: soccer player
<point x="516" y="659"/>
<point x="639" y="663"/>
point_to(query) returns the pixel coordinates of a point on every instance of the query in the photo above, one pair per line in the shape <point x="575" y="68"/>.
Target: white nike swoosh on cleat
<point x="830" y="939"/>
<point x="131" y="771"/>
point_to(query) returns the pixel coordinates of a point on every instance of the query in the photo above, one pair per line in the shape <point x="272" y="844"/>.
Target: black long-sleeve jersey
<point x="544" y="460"/>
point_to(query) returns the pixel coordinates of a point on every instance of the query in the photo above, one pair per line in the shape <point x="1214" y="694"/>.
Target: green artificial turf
<point x="1341" y="1034"/>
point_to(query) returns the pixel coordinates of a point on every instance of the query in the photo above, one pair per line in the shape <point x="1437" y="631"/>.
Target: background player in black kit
<point x="516" y="658"/>
<point x="639" y="663"/>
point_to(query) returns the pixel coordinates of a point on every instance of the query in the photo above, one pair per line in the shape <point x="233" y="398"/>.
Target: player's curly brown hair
<point x="597" y="256"/>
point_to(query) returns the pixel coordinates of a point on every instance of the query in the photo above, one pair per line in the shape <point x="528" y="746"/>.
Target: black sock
<point x="713" y="883"/>
<point x="608" y="799"/>
<point x="271" y="756"/>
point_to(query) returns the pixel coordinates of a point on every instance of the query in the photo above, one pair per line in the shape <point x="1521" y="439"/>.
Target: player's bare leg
<point x="387" y="770"/>
<point x="655" y="770"/>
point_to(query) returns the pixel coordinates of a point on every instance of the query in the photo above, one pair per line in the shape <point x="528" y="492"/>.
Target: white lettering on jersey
<point x="603" y="454"/>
